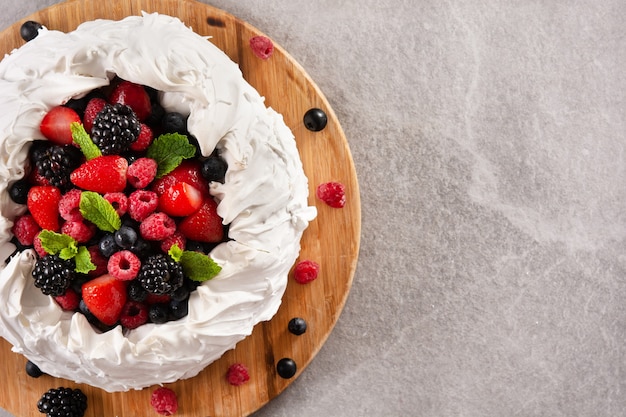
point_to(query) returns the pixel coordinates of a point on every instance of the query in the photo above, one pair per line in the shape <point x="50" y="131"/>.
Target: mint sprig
<point x="197" y="266"/>
<point x="67" y="248"/>
<point x="84" y="142"/>
<point x="99" y="211"/>
<point x="169" y="150"/>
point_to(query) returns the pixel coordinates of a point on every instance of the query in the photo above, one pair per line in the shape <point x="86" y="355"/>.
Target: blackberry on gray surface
<point x="53" y="275"/>
<point x="63" y="402"/>
<point x="115" y="128"/>
<point x="56" y="163"/>
<point x="160" y="274"/>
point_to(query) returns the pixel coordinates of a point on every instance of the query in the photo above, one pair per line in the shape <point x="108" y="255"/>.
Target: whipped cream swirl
<point x="264" y="198"/>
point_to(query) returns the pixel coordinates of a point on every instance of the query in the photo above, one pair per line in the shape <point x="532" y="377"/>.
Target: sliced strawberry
<point x="105" y="297"/>
<point x="180" y="199"/>
<point x="43" y="204"/>
<point x="104" y="174"/>
<point x="94" y="107"/>
<point x="55" y="125"/>
<point x="205" y="225"/>
<point x="188" y="171"/>
<point x="133" y="95"/>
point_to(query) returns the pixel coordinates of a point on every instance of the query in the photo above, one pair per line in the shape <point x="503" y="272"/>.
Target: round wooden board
<point x="332" y="239"/>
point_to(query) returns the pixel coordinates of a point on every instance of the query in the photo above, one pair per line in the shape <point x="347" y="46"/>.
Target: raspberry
<point x="94" y="106"/>
<point x="176" y="239"/>
<point x="141" y="204"/>
<point x="134" y="314"/>
<point x="141" y="172"/>
<point x="80" y="231"/>
<point x="164" y="401"/>
<point x="69" y="205"/>
<point x="38" y="247"/>
<point x="124" y="265"/>
<point x="68" y="301"/>
<point x="119" y="201"/>
<point x="237" y="374"/>
<point x="262" y="46"/>
<point x="36" y="178"/>
<point x="98" y="260"/>
<point x="143" y="140"/>
<point x="157" y="226"/>
<point x="306" y="271"/>
<point x="332" y="193"/>
<point x="25" y="229"/>
<point x="157" y="298"/>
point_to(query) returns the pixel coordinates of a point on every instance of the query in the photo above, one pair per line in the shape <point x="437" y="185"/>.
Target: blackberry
<point x="56" y="163"/>
<point x="160" y="275"/>
<point x="115" y="128"/>
<point x="63" y="402"/>
<point x="53" y="275"/>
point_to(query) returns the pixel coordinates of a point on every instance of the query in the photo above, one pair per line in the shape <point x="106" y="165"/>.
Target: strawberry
<point x="188" y="171"/>
<point x="55" y="125"/>
<point x="43" y="204"/>
<point x="180" y="199"/>
<point x="105" y="297"/>
<point x="94" y="107"/>
<point x="205" y="225"/>
<point x="133" y="95"/>
<point x="103" y="174"/>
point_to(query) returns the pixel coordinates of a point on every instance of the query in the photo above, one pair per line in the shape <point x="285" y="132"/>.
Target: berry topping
<point x="104" y="174"/>
<point x="94" y="106"/>
<point x="53" y="275"/>
<point x="159" y="313"/>
<point x="141" y="172"/>
<point x="136" y="292"/>
<point x="142" y="204"/>
<point x="134" y="96"/>
<point x="25" y="229"/>
<point x="55" y="163"/>
<point x="105" y="297"/>
<point x="33" y="370"/>
<point x="82" y="232"/>
<point x="332" y="193"/>
<point x="306" y="271"/>
<point x="119" y="201"/>
<point x="55" y="125"/>
<point x="125" y="237"/>
<point x="297" y="326"/>
<point x="237" y="374"/>
<point x="315" y="119"/>
<point x="286" y="368"/>
<point x="115" y="128"/>
<point x="43" y="204"/>
<point x="98" y="260"/>
<point x="176" y="239"/>
<point x="262" y="46"/>
<point x="174" y="123"/>
<point x="19" y="191"/>
<point x="205" y="225"/>
<point x="124" y="265"/>
<point x="164" y="401"/>
<point x="180" y="199"/>
<point x="188" y="171"/>
<point x="29" y="30"/>
<point x="143" y="140"/>
<point x="134" y="314"/>
<point x="157" y="226"/>
<point x="68" y="301"/>
<point x="63" y="402"/>
<point x="160" y="275"/>
<point x="107" y="245"/>
<point x="214" y="169"/>
<point x="69" y="205"/>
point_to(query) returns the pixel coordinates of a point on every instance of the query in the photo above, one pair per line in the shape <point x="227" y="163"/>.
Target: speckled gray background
<point x="488" y="138"/>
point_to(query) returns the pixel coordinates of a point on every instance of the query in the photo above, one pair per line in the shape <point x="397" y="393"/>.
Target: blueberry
<point x="125" y="237"/>
<point x="136" y="291"/>
<point x="315" y="119"/>
<point x="158" y="313"/>
<point x="214" y="169"/>
<point x="174" y="123"/>
<point x="19" y="191"/>
<point x="29" y="30"/>
<point x="107" y="245"/>
<point x="181" y="294"/>
<point x="179" y="309"/>
<point x="286" y="368"/>
<point x="297" y="326"/>
<point x="33" y="370"/>
<point x="141" y="248"/>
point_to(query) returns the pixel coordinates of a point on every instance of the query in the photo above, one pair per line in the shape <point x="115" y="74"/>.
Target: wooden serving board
<point x="332" y="239"/>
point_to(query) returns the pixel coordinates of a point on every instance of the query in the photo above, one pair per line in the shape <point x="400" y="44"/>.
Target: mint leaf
<point x="175" y="252"/>
<point x="55" y="243"/>
<point x="169" y="150"/>
<point x="83" y="261"/>
<point x="69" y="252"/>
<point x="99" y="211"/>
<point x="82" y="139"/>
<point x="198" y="266"/>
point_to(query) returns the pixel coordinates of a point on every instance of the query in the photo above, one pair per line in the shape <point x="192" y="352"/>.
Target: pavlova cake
<point x="151" y="206"/>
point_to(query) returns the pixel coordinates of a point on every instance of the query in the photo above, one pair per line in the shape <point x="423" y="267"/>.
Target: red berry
<point x="180" y="199"/>
<point x="306" y="271"/>
<point x="141" y="172"/>
<point x="105" y="297"/>
<point x="124" y="265"/>
<point x="157" y="226"/>
<point x="68" y="301"/>
<point x="134" y="96"/>
<point x="141" y="204"/>
<point x="43" y="204"/>
<point x="164" y="401"/>
<point x="81" y="232"/>
<point x="69" y="206"/>
<point x="262" y="46"/>
<point x="332" y="193"/>
<point x="55" y="125"/>
<point x="144" y="140"/>
<point x="188" y="171"/>
<point x="38" y="247"/>
<point x="176" y="239"/>
<point x="119" y="201"/>
<point x="237" y="374"/>
<point x="94" y="107"/>
<point x="134" y="314"/>
<point x="36" y="178"/>
<point x="98" y="260"/>
<point x="25" y="229"/>
<point x="204" y="225"/>
<point x="158" y="298"/>
<point x="104" y="174"/>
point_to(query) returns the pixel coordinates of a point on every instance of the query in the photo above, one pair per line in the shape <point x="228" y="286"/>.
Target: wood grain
<point x="332" y="239"/>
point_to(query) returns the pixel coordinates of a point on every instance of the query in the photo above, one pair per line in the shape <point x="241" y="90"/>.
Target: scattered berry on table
<point x="306" y="271"/>
<point x="164" y="401"/>
<point x="124" y="265"/>
<point x="32" y="370"/>
<point x="53" y="275"/>
<point x="25" y="229"/>
<point x="286" y="368"/>
<point x="237" y="374"/>
<point x="160" y="275"/>
<point x="43" y="204"/>
<point x="315" y="119"/>
<point x="262" y="46"/>
<point x="55" y="125"/>
<point x="63" y="402"/>
<point x="297" y="326"/>
<point x="134" y="96"/>
<point x="332" y="193"/>
<point x="134" y="314"/>
<point x="115" y="128"/>
<point x="29" y="30"/>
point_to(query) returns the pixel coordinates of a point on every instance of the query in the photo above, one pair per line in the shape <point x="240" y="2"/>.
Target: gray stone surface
<point x="489" y="143"/>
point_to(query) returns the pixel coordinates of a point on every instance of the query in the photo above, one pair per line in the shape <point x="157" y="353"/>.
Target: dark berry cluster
<point x="115" y="128"/>
<point x="53" y="275"/>
<point x="160" y="275"/>
<point x="54" y="162"/>
<point x="63" y="402"/>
